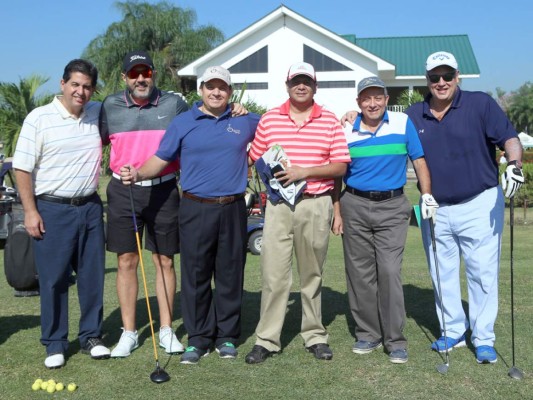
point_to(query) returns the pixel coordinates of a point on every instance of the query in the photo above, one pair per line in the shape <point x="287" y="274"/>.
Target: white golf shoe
<point x="53" y="361"/>
<point x="128" y="342"/>
<point x="169" y="341"/>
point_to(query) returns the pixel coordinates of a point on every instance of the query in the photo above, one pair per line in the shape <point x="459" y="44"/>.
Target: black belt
<point x="73" y="201"/>
<point x="375" y="195"/>
<point x="214" y="200"/>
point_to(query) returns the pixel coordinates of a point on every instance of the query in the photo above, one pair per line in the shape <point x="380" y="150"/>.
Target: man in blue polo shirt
<point x="459" y="132"/>
<point x="373" y="216"/>
<point x="211" y="146"/>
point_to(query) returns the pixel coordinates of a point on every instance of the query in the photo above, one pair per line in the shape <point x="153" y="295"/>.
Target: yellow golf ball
<point x="44" y="385"/>
<point x="51" y="388"/>
<point x="36" y="386"/>
<point x="51" y="382"/>
<point x="38" y="381"/>
<point x="59" y="386"/>
<point x="71" y="387"/>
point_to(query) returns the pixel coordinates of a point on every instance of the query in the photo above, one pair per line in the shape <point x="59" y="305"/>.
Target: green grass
<point x="294" y="374"/>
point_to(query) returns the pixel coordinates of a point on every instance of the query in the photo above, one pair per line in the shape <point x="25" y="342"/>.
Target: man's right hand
<point x="34" y="224"/>
<point x="349" y="117"/>
<point x="128" y="174"/>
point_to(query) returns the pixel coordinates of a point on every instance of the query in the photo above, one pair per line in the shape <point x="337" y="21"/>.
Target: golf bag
<point x="19" y="264"/>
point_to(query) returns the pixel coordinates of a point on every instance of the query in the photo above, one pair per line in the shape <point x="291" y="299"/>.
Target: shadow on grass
<point x="333" y="304"/>
<point x="13" y="323"/>
<point x="420" y="306"/>
<point x="113" y="322"/>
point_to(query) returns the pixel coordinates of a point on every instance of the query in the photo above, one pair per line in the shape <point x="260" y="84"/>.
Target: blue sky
<point x="41" y="36"/>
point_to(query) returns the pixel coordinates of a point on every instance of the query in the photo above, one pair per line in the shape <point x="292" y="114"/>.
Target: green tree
<point x="407" y="98"/>
<point x="170" y="35"/>
<point x="520" y="108"/>
<point x="16" y="102"/>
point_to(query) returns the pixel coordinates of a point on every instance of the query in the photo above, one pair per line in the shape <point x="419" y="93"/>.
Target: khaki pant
<point x="304" y="229"/>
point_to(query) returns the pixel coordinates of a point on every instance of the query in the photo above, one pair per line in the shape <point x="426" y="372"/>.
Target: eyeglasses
<point x="135" y="72"/>
<point x="448" y="76"/>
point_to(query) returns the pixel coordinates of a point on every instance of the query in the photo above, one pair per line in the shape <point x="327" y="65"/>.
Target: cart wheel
<point x="254" y="242"/>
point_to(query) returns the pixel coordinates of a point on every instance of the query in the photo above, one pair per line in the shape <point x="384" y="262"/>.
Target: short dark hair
<point x="83" y="66"/>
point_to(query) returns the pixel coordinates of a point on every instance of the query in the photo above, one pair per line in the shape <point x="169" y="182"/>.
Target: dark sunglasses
<point x="448" y="76"/>
<point x="135" y="72"/>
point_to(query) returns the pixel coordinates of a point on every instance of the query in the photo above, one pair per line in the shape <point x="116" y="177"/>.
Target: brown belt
<point x="214" y="200"/>
<point x="314" y="196"/>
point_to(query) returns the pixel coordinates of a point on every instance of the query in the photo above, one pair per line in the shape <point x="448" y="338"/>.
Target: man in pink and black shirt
<point x="133" y="121"/>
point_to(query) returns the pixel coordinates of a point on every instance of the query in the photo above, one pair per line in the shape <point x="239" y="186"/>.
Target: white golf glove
<point x="429" y="206"/>
<point x="512" y="179"/>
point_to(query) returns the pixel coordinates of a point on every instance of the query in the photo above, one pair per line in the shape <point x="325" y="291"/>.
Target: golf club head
<point x="515" y="373"/>
<point x="442" y="368"/>
<point x="159" y="375"/>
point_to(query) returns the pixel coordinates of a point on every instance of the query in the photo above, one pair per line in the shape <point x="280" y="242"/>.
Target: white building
<point x="261" y="54"/>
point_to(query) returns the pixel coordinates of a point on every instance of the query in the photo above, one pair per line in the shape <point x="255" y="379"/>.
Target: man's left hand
<point x="512" y="179"/>
<point x="238" y="110"/>
<point x="429" y="206"/>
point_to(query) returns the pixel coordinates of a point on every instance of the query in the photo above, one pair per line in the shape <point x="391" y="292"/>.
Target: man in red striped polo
<point x="314" y="143"/>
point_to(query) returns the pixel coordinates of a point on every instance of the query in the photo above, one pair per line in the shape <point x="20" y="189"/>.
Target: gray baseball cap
<point x="371" y="81"/>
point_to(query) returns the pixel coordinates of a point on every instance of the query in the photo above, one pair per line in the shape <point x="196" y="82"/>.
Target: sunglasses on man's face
<point x="448" y="77"/>
<point x="135" y="72"/>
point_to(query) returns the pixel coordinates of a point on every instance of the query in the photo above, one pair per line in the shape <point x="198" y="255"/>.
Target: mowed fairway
<point x="294" y="374"/>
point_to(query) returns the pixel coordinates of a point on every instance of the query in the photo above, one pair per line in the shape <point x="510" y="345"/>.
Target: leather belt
<point x="150" y="182"/>
<point x="71" y="201"/>
<point x="375" y="195"/>
<point x="314" y="196"/>
<point x="214" y="200"/>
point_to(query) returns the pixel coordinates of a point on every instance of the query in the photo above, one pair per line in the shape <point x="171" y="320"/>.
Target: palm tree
<point x="16" y="102"/>
<point x="167" y="32"/>
<point x="407" y="98"/>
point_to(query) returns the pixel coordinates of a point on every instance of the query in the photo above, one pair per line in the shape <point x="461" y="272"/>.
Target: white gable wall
<point x="285" y="37"/>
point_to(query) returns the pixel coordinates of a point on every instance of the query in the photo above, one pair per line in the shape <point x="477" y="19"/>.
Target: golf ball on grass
<point x="51" y="388"/>
<point x="71" y="387"/>
<point x="59" y="386"/>
<point x="36" y="386"/>
<point x="44" y="385"/>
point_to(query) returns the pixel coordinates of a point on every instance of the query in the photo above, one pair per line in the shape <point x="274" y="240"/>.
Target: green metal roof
<point x="409" y="54"/>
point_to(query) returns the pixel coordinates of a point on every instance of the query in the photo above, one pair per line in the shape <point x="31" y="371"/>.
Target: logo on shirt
<point x="420" y="131"/>
<point x="233" y="130"/>
<point x="161" y="116"/>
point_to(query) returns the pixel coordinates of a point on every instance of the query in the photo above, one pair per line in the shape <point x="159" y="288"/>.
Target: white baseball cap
<point x="301" y="68"/>
<point x="441" y="58"/>
<point x="217" y="72"/>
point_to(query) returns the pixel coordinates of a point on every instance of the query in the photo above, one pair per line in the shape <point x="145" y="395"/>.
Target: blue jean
<point x="471" y="229"/>
<point x="74" y="237"/>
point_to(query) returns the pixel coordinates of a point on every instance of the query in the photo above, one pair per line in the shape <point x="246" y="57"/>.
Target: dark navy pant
<point x="213" y="247"/>
<point x="74" y="237"/>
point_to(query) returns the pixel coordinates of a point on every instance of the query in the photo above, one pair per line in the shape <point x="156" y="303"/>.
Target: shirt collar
<point x="154" y="98"/>
<point x="357" y="122"/>
<point x="65" y="114"/>
<point x="456" y="102"/>
<point x="315" y="113"/>
<point x="198" y="114"/>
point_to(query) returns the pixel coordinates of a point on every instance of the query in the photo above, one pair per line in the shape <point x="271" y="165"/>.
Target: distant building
<point x="259" y="57"/>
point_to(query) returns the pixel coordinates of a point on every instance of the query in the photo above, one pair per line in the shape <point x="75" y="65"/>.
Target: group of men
<point x="153" y="135"/>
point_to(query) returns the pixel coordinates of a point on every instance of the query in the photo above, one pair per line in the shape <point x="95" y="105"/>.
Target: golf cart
<point x="255" y="205"/>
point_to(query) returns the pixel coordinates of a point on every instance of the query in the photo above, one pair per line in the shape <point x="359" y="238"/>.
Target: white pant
<point x="473" y="230"/>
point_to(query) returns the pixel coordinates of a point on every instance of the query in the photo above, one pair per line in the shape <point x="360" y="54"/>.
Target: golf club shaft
<point x="434" y="245"/>
<point x="511" y="245"/>
<point x="139" y="250"/>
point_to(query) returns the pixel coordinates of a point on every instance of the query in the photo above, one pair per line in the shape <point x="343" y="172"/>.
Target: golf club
<point x="442" y="368"/>
<point x="159" y="375"/>
<point x="514" y="372"/>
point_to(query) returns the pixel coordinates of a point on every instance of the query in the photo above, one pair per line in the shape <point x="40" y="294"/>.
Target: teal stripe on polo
<point x="380" y="150"/>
